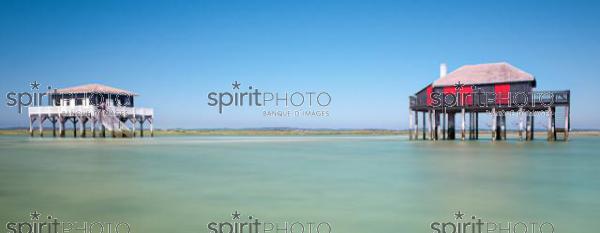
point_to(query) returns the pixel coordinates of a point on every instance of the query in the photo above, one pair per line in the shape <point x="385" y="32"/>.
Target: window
<point x="78" y="102"/>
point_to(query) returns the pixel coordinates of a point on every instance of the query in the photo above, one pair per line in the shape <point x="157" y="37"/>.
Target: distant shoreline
<point x="278" y="132"/>
<point x="231" y="132"/>
<point x="274" y="132"/>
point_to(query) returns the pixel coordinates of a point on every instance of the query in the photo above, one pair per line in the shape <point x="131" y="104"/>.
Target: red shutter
<point x="466" y="93"/>
<point x="429" y="91"/>
<point x="449" y="90"/>
<point x="502" y="91"/>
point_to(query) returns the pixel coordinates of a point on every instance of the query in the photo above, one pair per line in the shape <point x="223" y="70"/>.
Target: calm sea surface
<point x="356" y="184"/>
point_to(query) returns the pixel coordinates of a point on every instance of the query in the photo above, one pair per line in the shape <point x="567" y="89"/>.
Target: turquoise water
<point x="356" y="184"/>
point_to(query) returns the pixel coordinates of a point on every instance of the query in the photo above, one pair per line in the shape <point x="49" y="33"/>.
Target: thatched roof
<point x="94" y="88"/>
<point x="491" y="73"/>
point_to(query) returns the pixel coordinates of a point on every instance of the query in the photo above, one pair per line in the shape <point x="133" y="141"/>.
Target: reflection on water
<point x="358" y="184"/>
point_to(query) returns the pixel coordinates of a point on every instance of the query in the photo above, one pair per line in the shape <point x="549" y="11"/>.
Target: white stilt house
<point x="106" y="108"/>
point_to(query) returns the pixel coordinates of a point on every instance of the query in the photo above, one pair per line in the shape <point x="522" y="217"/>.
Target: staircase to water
<point x="113" y="123"/>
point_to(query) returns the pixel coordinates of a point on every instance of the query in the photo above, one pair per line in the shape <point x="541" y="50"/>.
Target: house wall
<point x="423" y="96"/>
<point x="92" y="100"/>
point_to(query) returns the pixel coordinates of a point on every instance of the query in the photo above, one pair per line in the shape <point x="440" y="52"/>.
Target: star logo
<point x="35" y="85"/>
<point x="459" y="215"/>
<point x="235" y="215"/>
<point x="236" y="85"/>
<point x="35" y="215"/>
<point x="458" y="86"/>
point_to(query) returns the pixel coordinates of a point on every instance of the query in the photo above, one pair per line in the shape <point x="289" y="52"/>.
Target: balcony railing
<point x="517" y="99"/>
<point x="88" y="111"/>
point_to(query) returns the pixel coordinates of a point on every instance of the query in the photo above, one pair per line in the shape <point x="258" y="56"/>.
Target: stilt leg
<point x="434" y="125"/>
<point x="451" y="126"/>
<point x="444" y="128"/>
<point x="61" y="125"/>
<point x="53" y="120"/>
<point x="520" y="124"/>
<point x="113" y="131"/>
<point x="133" y="122"/>
<point x="41" y="124"/>
<point x="494" y="124"/>
<point x="424" y="126"/>
<point x="477" y="125"/>
<point x="567" y="123"/>
<point x="429" y="125"/>
<point x="416" y="125"/>
<point x="74" y="127"/>
<point x="82" y="122"/>
<point x="151" y="127"/>
<point x="31" y="120"/>
<point x="121" y="122"/>
<point x="471" y="126"/>
<point x="142" y="127"/>
<point x="462" y="126"/>
<point x="554" y="123"/>
<point x="503" y="126"/>
<point x="93" y="119"/>
<point x="532" y="126"/>
<point x="410" y="124"/>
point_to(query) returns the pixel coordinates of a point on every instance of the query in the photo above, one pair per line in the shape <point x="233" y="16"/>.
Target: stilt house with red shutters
<point x="496" y="89"/>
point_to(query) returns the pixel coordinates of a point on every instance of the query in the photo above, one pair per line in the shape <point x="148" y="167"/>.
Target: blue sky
<point x="369" y="55"/>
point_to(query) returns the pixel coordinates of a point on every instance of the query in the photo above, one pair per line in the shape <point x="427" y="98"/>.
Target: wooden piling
<point x="451" y="126"/>
<point x="74" y="119"/>
<point x="41" y="124"/>
<point x="444" y="125"/>
<point x="476" y="125"/>
<point x="567" y="123"/>
<point x="31" y="120"/>
<point x="462" y="126"/>
<point x="142" y="127"/>
<point x="530" y="127"/>
<point x="410" y="125"/>
<point x="494" y="124"/>
<point x="520" y="115"/>
<point x="61" y="125"/>
<point x="93" y="123"/>
<point x="53" y="121"/>
<point x="424" y="127"/>
<point x="416" y="125"/>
